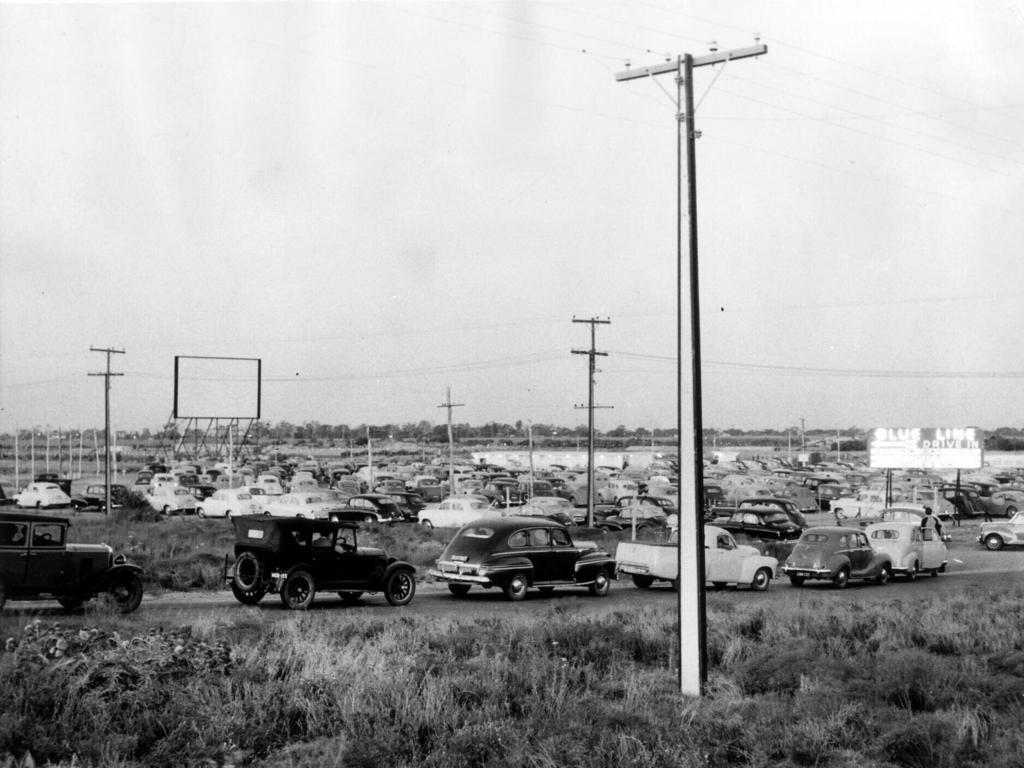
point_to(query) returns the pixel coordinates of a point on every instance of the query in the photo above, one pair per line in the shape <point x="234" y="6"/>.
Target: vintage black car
<point x="297" y="557"/>
<point x="95" y="495"/>
<point x="767" y="522"/>
<point x="516" y="553"/>
<point x="38" y="563"/>
<point x="369" y="508"/>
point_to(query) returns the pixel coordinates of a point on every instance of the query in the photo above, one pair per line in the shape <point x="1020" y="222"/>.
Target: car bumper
<point x="808" y="573"/>
<point x="460" y="578"/>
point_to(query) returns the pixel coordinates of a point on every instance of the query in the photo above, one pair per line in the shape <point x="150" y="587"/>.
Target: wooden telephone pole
<point x="591" y="353"/>
<point x="106" y="418"/>
<point x="692" y="609"/>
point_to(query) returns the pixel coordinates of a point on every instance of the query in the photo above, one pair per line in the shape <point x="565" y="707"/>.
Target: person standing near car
<point x="929" y="517"/>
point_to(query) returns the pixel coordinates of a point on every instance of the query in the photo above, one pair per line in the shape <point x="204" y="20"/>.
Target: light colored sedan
<point x="42" y="495"/>
<point x="308" y="505"/>
<point x="228" y="502"/>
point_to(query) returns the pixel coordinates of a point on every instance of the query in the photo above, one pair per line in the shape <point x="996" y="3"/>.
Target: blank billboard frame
<point x="219" y="395"/>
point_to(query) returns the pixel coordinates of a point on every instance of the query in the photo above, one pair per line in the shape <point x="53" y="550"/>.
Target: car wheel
<point x="912" y="572"/>
<point x="1011" y="511"/>
<point x="641" y="581"/>
<point x="166" y="510"/>
<point x="601" y="585"/>
<point x="426" y="524"/>
<point x="796" y="581"/>
<point x="884" y="574"/>
<point x="369" y="519"/>
<point x="298" y="590"/>
<point x="69" y="603"/>
<point x="126" y="591"/>
<point x="675" y="585"/>
<point x="459" y="590"/>
<point x="515" y="588"/>
<point x="839" y="513"/>
<point x="762" y="579"/>
<point x="200" y="512"/>
<point x="842" y="578"/>
<point x="400" y="587"/>
<point x="993" y="542"/>
<point x="39" y="505"/>
<point x="247" y="581"/>
<point x="350" y="598"/>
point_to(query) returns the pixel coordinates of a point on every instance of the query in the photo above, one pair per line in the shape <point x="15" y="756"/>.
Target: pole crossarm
<point x="699" y="61"/>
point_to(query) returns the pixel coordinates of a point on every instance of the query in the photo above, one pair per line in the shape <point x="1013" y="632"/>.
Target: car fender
<point x="508" y="565"/>
<point x="103" y="580"/>
<point x="839" y="561"/>
<point x="877" y="563"/>
<point x="593" y="562"/>
<point x="397" y="565"/>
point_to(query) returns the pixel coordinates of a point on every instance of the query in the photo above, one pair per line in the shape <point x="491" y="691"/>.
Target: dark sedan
<point x="761" y="523"/>
<point x="517" y="553"/>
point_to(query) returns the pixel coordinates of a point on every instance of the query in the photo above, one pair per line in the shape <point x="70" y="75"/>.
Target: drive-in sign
<point x="925" y="448"/>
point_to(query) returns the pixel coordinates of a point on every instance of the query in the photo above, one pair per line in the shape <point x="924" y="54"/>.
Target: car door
<point x="721" y="560"/>
<point x="933" y="549"/>
<point x="860" y="552"/>
<point x="45" y="570"/>
<point x="563" y="555"/>
<point x="13" y="552"/>
<point x="541" y="554"/>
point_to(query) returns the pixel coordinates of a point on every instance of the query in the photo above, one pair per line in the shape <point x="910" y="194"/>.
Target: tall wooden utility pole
<point x="451" y="447"/>
<point x="106" y="418"/>
<point x="592" y="368"/>
<point x="692" y="609"/>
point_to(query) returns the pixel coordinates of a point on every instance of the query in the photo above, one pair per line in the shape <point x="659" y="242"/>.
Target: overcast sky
<point x="384" y="200"/>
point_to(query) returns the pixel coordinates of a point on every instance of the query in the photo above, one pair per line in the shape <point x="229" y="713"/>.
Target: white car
<point x="42" y="495"/>
<point x="228" y="502"/>
<point x="308" y="505"/>
<point x="169" y="499"/>
<point x="271" y="484"/>
<point x="259" y="496"/>
<point x="913" y="547"/>
<point x="456" y="511"/>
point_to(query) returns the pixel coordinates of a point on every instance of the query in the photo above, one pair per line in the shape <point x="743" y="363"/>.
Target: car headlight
<point x="483" y="571"/>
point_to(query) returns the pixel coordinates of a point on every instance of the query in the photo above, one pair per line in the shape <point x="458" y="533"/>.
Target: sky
<point x="382" y="201"/>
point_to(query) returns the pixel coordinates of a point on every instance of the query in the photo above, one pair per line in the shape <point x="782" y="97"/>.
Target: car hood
<point x="86" y="548"/>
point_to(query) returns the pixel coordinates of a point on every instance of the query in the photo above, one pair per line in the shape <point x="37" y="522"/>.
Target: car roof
<point x="29" y="517"/>
<point x="503" y="524"/>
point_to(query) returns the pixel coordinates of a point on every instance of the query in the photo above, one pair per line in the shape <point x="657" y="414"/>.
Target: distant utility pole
<point x="803" y="441"/>
<point x="451" y="446"/>
<point x="106" y="418"/>
<point x="591" y="353"/>
<point x="692" y="608"/>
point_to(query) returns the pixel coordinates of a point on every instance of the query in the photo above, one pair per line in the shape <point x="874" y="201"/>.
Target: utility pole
<point x="591" y="353"/>
<point x="803" y="442"/>
<point x="692" y="608"/>
<point x="106" y="418"/>
<point x="451" y="447"/>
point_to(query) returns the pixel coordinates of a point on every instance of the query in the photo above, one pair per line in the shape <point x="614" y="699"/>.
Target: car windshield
<point x="476" y="532"/>
<point x="776" y="517"/>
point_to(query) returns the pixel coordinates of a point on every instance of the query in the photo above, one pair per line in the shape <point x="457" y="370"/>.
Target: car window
<point x="560" y="538"/>
<point x="885" y="533"/>
<point x="13" y="534"/>
<point x="726" y="542"/>
<point x="478" y="532"/>
<point x="47" y="535"/>
<point x="476" y="505"/>
<point x="519" y="539"/>
<point x="538" y="537"/>
<point x="861" y="540"/>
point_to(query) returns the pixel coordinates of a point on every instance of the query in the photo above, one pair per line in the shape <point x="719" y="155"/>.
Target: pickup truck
<point x="725" y="561"/>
